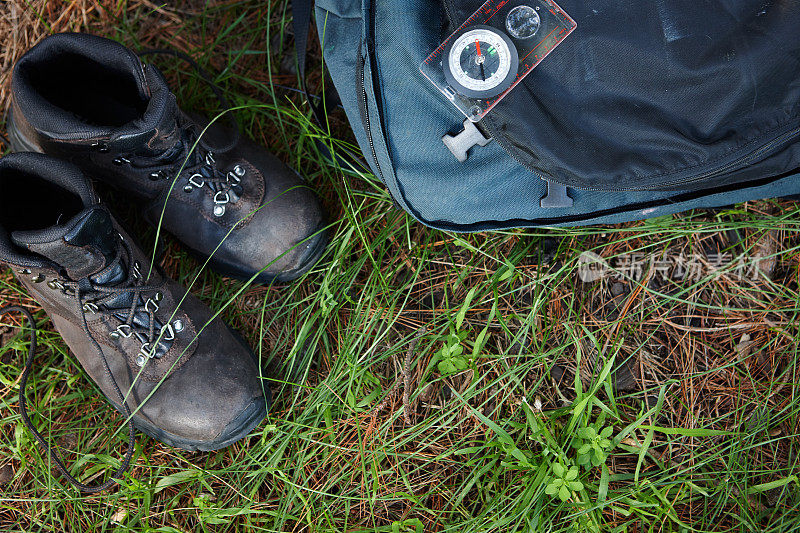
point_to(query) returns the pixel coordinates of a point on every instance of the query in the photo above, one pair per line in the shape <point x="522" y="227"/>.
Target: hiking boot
<point x="190" y="381"/>
<point x="91" y="101"/>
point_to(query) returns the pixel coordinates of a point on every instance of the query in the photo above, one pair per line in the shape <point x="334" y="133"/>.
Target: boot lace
<point x="198" y="163"/>
<point x="131" y="304"/>
<point x="52" y="453"/>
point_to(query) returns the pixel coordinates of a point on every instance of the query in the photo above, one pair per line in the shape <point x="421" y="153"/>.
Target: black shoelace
<point x="55" y="457"/>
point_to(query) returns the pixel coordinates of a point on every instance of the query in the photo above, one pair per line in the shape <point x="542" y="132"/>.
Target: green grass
<point x="509" y="357"/>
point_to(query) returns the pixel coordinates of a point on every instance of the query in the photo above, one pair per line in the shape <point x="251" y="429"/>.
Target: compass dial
<point x="481" y="62"/>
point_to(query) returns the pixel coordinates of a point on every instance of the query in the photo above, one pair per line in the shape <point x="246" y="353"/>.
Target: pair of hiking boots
<point x="91" y="107"/>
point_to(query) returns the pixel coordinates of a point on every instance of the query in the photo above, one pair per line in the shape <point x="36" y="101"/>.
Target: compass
<point x="493" y="50"/>
<point x="481" y="62"/>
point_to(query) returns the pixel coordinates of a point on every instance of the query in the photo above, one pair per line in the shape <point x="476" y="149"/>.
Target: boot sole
<point x="19" y="143"/>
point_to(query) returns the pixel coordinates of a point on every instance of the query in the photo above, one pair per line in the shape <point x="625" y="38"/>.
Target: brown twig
<point x="405" y="378"/>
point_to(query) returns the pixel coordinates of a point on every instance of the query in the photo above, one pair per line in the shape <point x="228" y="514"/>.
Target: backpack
<point x="646" y="109"/>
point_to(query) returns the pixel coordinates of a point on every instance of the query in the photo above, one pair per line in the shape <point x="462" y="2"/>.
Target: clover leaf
<point x="563" y="482"/>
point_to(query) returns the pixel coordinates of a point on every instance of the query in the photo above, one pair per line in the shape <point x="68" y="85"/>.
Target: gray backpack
<point x="646" y="109"/>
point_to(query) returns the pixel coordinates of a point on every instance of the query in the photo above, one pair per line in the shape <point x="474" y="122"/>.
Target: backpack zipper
<point x="365" y="114"/>
<point x="536" y="172"/>
<point x="448" y="11"/>
<point x="363" y="57"/>
<point x="752" y="156"/>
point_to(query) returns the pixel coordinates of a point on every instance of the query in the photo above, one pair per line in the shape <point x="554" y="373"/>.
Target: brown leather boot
<point x="188" y="379"/>
<point x="91" y="101"/>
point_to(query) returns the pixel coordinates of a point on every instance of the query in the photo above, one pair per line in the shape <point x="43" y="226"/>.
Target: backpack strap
<point x="301" y="20"/>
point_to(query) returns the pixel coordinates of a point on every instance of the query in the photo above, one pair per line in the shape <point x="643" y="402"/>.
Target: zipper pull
<point x="556" y="196"/>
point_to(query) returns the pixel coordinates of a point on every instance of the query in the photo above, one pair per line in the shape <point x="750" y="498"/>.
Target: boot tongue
<point x="83" y="246"/>
<point x="86" y="247"/>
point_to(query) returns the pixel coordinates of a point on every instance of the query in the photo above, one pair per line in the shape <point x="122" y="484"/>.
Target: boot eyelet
<point x="167" y="333"/>
<point x="232" y="177"/>
<point x="38" y="278"/>
<point x="121" y="161"/>
<point x="101" y="147"/>
<point x="145" y="353"/>
<point x="24" y="271"/>
<point x="178" y="325"/>
<point x="188" y="188"/>
<point x="221" y="198"/>
<point x="123" y="330"/>
<point x="239" y="170"/>
<point x="219" y="210"/>
<point x="151" y="305"/>
<point x="197" y="180"/>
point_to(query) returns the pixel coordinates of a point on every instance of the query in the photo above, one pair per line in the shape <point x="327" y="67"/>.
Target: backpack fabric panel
<point x="667" y="94"/>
